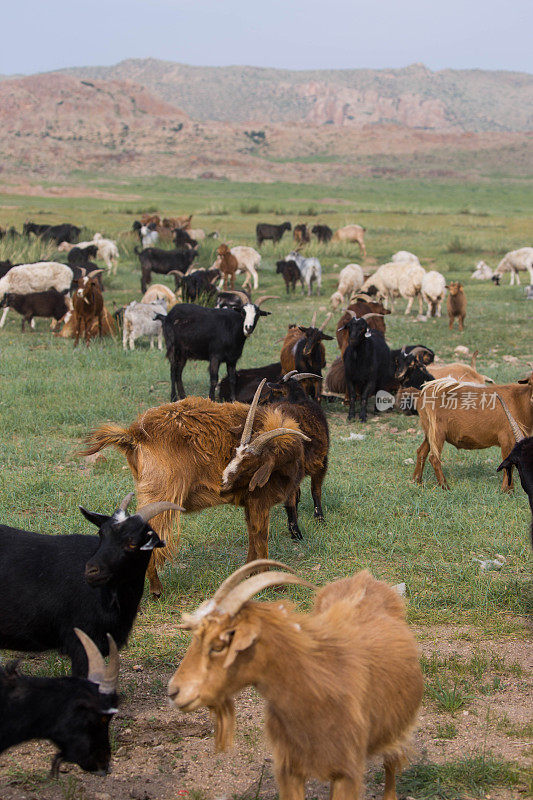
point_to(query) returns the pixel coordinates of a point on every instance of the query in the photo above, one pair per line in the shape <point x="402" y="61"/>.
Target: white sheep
<point x="482" y="272"/>
<point x="433" y="292"/>
<point x="249" y="261"/>
<point x="516" y="261"/>
<point x="139" y="321"/>
<point x="404" y="255"/>
<point x="107" y="252"/>
<point x="196" y="233"/>
<point x="29" y="278"/>
<point x="351" y="279"/>
<point x="410" y="284"/>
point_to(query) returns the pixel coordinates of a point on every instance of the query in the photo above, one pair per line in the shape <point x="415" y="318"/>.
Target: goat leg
<point x="316" y="490"/>
<point x="54" y="769"/>
<point x="291" y="507"/>
<point x="232" y="376"/>
<point x="214" y="365"/>
<point x="291" y="787"/>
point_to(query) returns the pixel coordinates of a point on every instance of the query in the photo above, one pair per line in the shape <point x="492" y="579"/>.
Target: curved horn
<point x="243" y="572"/>
<point x="260" y="441"/>
<point x="328" y="317"/>
<point x="176" y="272"/>
<point x="518" y="435"/>
<point x="352" y="313"/>
<point x="265" y="297"/>
<point x="248" y="425"/>
<point x="83" y="271"/>
<point x="106" y="677"/>
<point x="95" y="272"/>
<point x="146" y="513"/>
<point x="289" y="375"/>
<point x="403" y="350"/>
<point x="313" y="321"/>
<point x="372" y="314"/>
<point x="125" y="503"/>
<point x="240" y="595"/>
<point x="243" y="296"/>
<point x="301" y="376"/>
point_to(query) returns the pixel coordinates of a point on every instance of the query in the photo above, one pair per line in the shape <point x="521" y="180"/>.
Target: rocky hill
<point x="459" y="100"/>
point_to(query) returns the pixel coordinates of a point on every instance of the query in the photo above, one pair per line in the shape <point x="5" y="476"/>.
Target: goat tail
<point x="474" y="359"/>
<point x="107" y="436"/>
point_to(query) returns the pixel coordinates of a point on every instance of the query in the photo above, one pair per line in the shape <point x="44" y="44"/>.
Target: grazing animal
<point x="302" y="350"/>
<point x="264" y="231"/>
<point x="139" y="320"/>
<point x="53" y="584"/>
<point x="228" y="265"/>
<point x="182" y="238"/>
<point x="456" y="304"/>
<point x="39" y="277"/>
<point x="341" y="683"/>
<point x="56" y="233"/>
<point x="368" y="364"/>
<point x="247" y="381"/>
<point x="351" y="233"/>
<point x="396" y="279"/>
<point x="404" y="255"/>
<point x="514" y="262"/>
<point x="291" y="274"/>
<point x="88" y="306"/>
<point x="73" y="713"/>
<point x="521" y="457"/>
<point x="162" y="262"/>
<point x="196" y="285"/>
<point x="248" y="261"/>
<point x="361" y="307"/>
<point x="433" y="292"/>
<point x="312" y="421"/>
<point x="81" y="256"/>
<point x="351" y="279"/>
<point x="323" y="233"/>
<point x="208" y="454"/>
<point x="216" y="335"/>
<point x="49" y="304"/>
<point x="469" y="417"/>
<point x="301" y="234"/>
<point x="310" y="271"/>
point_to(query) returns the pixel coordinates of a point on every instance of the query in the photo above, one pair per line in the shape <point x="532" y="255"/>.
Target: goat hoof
<point x="319" y="517"/>
<point x="296" y="535"/>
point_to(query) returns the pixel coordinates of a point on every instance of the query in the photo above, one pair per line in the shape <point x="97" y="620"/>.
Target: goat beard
<point x="224" y="715"/>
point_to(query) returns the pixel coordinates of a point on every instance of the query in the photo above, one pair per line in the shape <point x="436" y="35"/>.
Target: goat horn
<point x="403" y="350"/>
<point x="106" y="677"/>
<point x="301" y="376"/>
<point x="243" y="572"/>
<point x="372" y="314"/>
<point x="260" y="441"/>
<point x="125" y="503"/>
<point x="83" y="272"/>
<point x="518" y="435"/>
<point x="95" y="272"/>
<point x="289" y="375"/>
<point x="313" y="321"/>
<point x="265" y="297"/>
<point x="234" y="600"/>
<point x="328" y="317"/>
<point x="176" y="272"/>
<point x="248" y="425"/>
<point x="244" y="297"/>
<point x="146" y="513"/>
<point x="352" y="313"/>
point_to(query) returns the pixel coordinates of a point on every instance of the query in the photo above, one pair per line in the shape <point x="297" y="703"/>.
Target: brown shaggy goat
<point x="341" y="684"/>
<point x="302" y="350"/>
<point x="88" y="304"/>
<point x="456" y="304"/>
<point x="360" y="307"/>
<point x="199" y="454"/>
<point x="468" y="416"/>
<point x="228" y="265"/>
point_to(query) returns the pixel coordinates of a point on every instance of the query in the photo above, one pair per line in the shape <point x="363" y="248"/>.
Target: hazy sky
<point x="489" y="34"/>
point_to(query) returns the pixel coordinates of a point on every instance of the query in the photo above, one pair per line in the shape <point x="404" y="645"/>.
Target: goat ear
<point x="244" y="636"/>
<point x="264" y="313"/>
<point x="325" y="336"/>
<point x="261" y="476"/>
<point x="300" y="328"/>
<point x="92" y="516"/>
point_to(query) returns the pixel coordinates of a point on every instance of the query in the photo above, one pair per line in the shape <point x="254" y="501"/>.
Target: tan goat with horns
<point x="199" y="454"/>
<point x="341" y="683"/>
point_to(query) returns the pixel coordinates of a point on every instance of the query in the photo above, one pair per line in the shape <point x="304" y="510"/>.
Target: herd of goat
<point x="342" y="682"/>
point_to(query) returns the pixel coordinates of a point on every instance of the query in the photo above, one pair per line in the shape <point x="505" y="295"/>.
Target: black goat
<point x="53" y="584"/>
<point x="521" y="457"/>
<point x="216" y="335"/>
<point x="291" y="273"/>
<point x="180" y="237"/>
<point x="81" y="256"/>
<point x="50" y="304"/>
<point x="233" y="298"/>
<point x="322" y="232"/>
<point x="73" y="713"/>
<point x="368" y="364"/>
<point x="56" y="233"/>
<point x="247" y="381"/>
<point x="162" y="262"/>
<point x="303" y="351"/>
<point x="312" y="421"/>
<point x="265" y="231"/>
<point x="197" y="284"/>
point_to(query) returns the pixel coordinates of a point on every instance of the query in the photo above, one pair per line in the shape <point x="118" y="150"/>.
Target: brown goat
<point x="468" y="416"/>
<point x="302" y="351"/>
<point x="341" y="683"/>
<point x="193" y="450"/>
<point x="228" y="265"/>
<point x="70" y="326"/>
<point x="351" y="233"/>
<point x="456" y="304"/>
<point x="360" y="307"/>
<point x="88" y="304"/>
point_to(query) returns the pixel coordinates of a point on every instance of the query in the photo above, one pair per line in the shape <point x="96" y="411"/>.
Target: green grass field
<point x="376" y="518"/>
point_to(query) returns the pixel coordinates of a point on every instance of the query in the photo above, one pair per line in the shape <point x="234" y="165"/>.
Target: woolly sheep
<point x="139" y="320"/>
<point x="351" y="279"/>
<point x="433" y="292"/>
<point x="30" y="278"/>
<point x="517" y="261"/>
<point x="396" y="279"/>
<point x="404" y="255"/>
<point x="482" y="272"/>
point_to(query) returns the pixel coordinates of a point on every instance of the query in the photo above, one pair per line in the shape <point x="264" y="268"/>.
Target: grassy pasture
<point x="376" y="518"/>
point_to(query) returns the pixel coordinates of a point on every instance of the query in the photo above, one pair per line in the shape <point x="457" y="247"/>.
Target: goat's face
<point x="82" y="728"/>
<point x="122" y="539"/>
<point x="403" y="362"/>
<point x="251" y="314"/>
<point x="215" y="666"/>
<point x="357" y="330"/>
<point x="279" y="267"/>
<point x="454" y="288"/>
<point x="313" y="337"/>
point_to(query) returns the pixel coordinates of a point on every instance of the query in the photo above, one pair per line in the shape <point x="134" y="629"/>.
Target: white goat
<point x="404" y="255"/>
<point x="434" y="292"/>
<point x="310" y="270"/>
<point x="107" y="252"/>
<point x="516" y="261"/>
<point x="29" y="278"/>
<point x="351" y="279"/>
<point x="139" y="321"/>
<point x="148" y="237"/>
<point x="482" y="272"/>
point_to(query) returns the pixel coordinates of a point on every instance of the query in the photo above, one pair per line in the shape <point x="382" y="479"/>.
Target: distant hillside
<point x="465" y="100"/>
